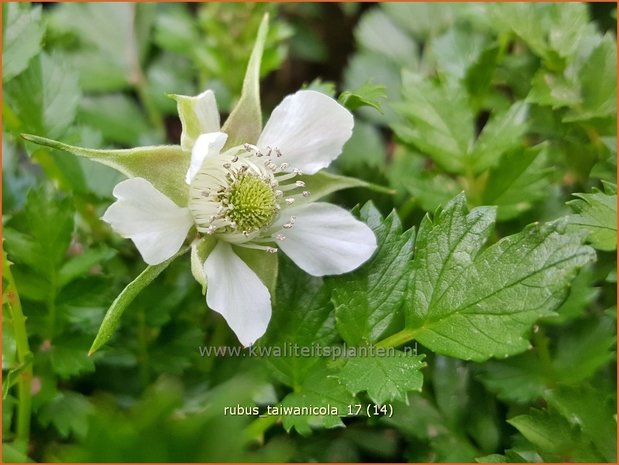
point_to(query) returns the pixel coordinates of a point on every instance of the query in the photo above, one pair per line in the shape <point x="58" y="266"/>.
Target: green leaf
<point x="44" y="97"/>
<point x="457" y="50"/>
<point x="385" y="378"/>
<point x="554" y="438"/>
<point x="244" y="124"/>
<point x="118" y="307"/>
<point x="80" y="264"/>
<point x="596" y="214"/>
<point x="598" y="91"/>
<point x="163" y="166"/>
<point x="526" y="377"/>
<point x="365" y="149"/>
<point x="520" y="180"/>
<point x="318" y="390"/>
<point x="119" y="119"/>
<point x="103" y="30"/>
<point x="376" y="32"/>
<point x="476" y="305"/>
<point x="46" y="233"/>
<point x="69" y="357"/>
<point x="21" y="39"/>
<point x="501" y="134"/>
<point x="440" y="123"/>
<point x="12" y="453"/>
<point x="68" y="412"/>
<point x="369" y="300"/>
<point x="591" y="411"/>
<point x="368" y="95"/>
<point x="302" y="315"/>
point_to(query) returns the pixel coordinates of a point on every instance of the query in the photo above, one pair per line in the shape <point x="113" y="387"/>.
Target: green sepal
<point x="163" y="166"/>
<point x="324" y="183"/>
<point x="244" y="124"/>
<point x="124" y="299"/>
<point x="200" y="249"/>
<point x="264" y="264"/>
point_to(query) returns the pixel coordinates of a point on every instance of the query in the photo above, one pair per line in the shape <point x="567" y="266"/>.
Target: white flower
<point x="250" y="196"/>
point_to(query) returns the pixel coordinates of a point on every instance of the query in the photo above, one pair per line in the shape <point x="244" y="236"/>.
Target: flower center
<point x="239" y="195"/>
<point x="253" y="202"/>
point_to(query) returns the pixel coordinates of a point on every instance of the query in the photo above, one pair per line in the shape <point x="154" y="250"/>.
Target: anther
<point x="300" y="184"/>
<point x="280" y="237"/>
<point x="278" y="194"/>
<point x="235" y="159"/>
<point x="283" y="166"/>
<point x="306" y="194"/>
<point x="278" y="153"/>
<point x="287" y="225"/>
<point x="289" y="201"/>
<point x="227" y="165"/>
<point x="271" y="249"/>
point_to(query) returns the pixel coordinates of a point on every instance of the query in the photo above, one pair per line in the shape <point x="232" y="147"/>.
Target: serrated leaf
<point x="526" y="377"/>
<point x="369" y="300"/>
<point x="68" y="412"/>
<point x="501" y="134"/>
<point x="44" y="97"/>
<point x="163" y="166"/>
<point x="368" y="95"/>
<point x="244" y="124"/>
<point x="112" y="317"/>
<point x="385" y="378"/>
<point x="440" y="121"/>
<point x="457" y="50"/>
<point x="69" y="356"/>
<point x="520" y="180"/>
<point x="598" y="78"/>
<point x="554" y="438"/>
<point x="47" y="233"/>
<point x="477" y="305"/>
<point x="302" y="315"/>
<point x="21" y="39"/>
<point x="318" y="390"/>
<point x="596" y="214"/>
<point x="591" y="411"/>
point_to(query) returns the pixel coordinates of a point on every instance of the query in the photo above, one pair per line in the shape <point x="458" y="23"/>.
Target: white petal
<point x="157" y="226"/>
<point x="309" y="129"/>
<point x="206" y="146"/>
<point x="198" y="115"/>
<point x="237" y="293"/>
<point x="326" y="239"/>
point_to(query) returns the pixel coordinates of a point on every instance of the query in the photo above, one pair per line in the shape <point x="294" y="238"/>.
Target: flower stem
<point x="24" y="387"/>
<point x="397" y="339"/>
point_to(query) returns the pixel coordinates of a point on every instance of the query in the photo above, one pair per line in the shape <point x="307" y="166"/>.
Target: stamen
<point x="289" y="200"/>
<point x="280" y="237"/>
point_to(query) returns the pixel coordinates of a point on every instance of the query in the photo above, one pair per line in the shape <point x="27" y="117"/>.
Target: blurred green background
<point x="97" y="74"/>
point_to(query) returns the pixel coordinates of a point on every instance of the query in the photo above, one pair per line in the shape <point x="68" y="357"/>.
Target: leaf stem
<point x="397" y="339"/>
<point x="24" y="388"/>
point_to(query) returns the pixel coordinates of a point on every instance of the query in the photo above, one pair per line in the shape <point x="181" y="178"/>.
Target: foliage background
<point x="514" y="105"/>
